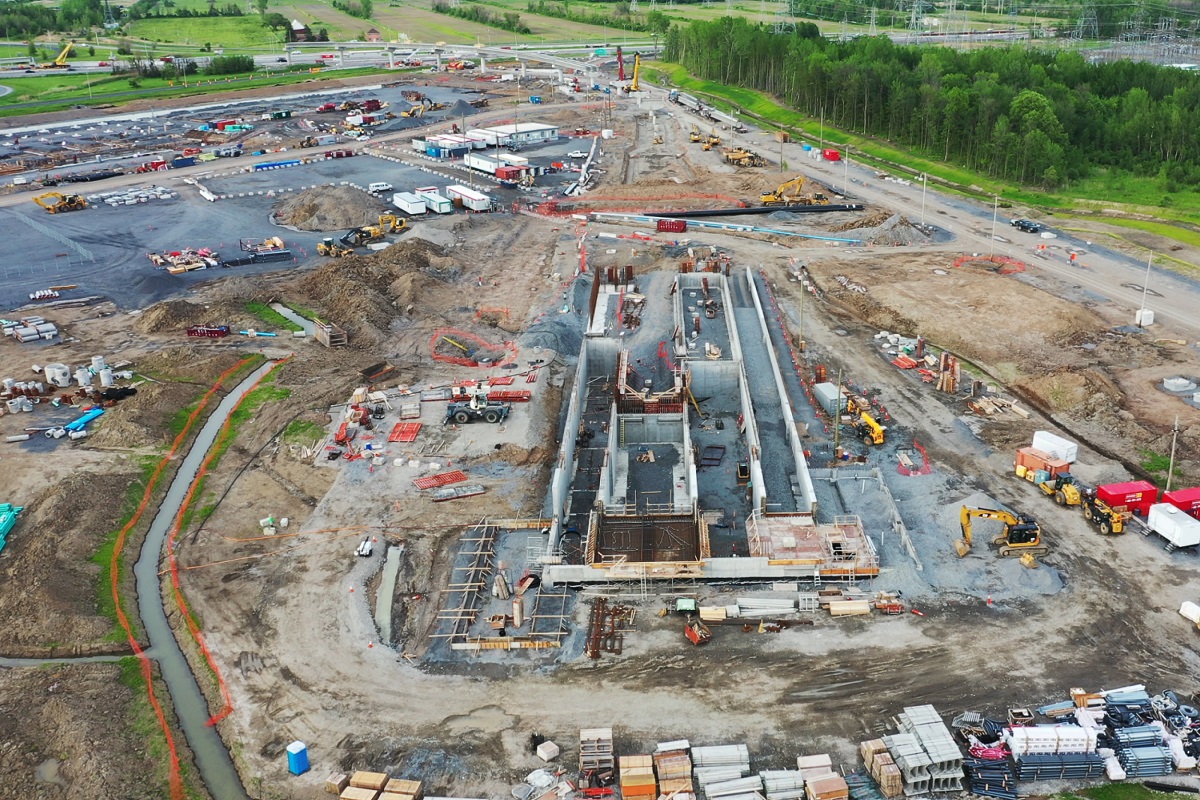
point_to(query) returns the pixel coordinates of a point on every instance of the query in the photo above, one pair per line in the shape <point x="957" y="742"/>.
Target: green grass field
<point x="62" y="91"/>
<point x="1107" y="188"/>
<point x="221" y="32"/>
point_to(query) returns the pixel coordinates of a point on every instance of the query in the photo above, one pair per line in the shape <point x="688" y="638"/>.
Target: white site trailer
<point x="471" y="199"/>
<point x="482" y="163"/>
<point x="409" y="203"/>
<point x="434" y="201"/>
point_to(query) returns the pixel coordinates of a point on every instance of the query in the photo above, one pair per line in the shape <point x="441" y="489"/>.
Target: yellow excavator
<point x="59" y="203"/>
<point x="390" y="223"/>
<point x="61" y="61"/>
<point x="712" y="139"/>
<point x="866" y="426"/>
<point x="789" y="194"/>
<point x="1022" y="536"/>
<point x="696" y="136"/>
<point x="359" y="237"/>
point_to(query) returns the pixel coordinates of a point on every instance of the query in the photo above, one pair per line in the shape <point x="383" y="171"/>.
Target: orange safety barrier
<point x="174" y="778"/>
<point x="173" y="564"/>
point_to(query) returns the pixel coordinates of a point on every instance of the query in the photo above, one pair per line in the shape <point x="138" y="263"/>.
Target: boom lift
<point x="62" y="203"/>
<point x="635" y="85"/>
<point x="788" y="194"/>
<point x="1021" y="537"/>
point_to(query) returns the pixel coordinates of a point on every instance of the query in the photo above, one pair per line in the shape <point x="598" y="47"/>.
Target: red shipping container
<point x="831" y="155"/>
<point x="672" y="226"/>
<point x="1137" y="496"/>
<point x="1033" y="459"/>
<point x="509" y="173"/>
<point x="1186" y="500"/>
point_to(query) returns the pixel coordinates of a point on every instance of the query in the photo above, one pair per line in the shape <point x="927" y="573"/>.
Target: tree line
<point x="1031" y="116"/>
<point x="504" y="20"/>
<point x="617" y="15"/>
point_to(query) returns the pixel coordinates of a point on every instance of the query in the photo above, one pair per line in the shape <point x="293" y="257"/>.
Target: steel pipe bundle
<point x="991" y="778"/>
<point x="707" y="775"/>
<point x="1146" y="762"/>
<point x="1038" y="767"/>
<point x="1138" y="736"/>
<point x="721" y="756"/>
<point x="738" y="786"/>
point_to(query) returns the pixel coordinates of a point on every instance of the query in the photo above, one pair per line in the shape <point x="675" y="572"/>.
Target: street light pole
<point x="1171" y="463"/>
<point x="924" y="181"/>
<point x="1145" y="290"/>
<point x="995" y="212"/>
<point x="846" y="173"/>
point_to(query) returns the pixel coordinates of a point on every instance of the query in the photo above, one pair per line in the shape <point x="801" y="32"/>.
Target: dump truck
<point x="740" y="157"/>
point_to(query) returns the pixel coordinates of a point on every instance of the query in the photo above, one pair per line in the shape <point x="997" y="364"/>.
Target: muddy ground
<point x="289" y="617"/>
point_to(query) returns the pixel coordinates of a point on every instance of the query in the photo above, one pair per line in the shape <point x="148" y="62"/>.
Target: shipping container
<point x="488" y="137"/>
<point x="1179" y="529"/>
<point x="1137" y="496"/>
<point x="512" y="158"/>
<point x="187" y="161"/>
<point x="830" y="397"/>
<point x="1031" y="459"/>
<point x="1056" y="446"/>
<point x="420" y="145"/>
<point x="409" y="203"/>
<point x="471" y="199"/>
<point x="326" y="139"/>
<point x="434" y="201"/>
<point x="509" y="173"/>
<point x="1186" y="500"/>
<point x="831" y="155"/>
<point x="671" y="225"/>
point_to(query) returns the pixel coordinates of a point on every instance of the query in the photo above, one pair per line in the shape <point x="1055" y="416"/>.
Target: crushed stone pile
<point x="894" y="231"/>
<point x="329" y="208"/>
<point x="869" y="221"/>
<point x="171" y="315"/>
<point x="364" y="294"/>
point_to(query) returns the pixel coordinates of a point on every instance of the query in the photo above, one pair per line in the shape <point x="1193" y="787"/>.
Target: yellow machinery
<point x="59" y="203"/>
<point x="740" y="157"/>
<point x="866" y="426"/>
<point x="695" y="135"/>
<point x="1107" y="519"/>
<point x="658" y="139"/>
<point x="390" y="223"/>
<point x="712" y="139"/>
<point x="1061" y="487"/>
<point x="328" y="247"/>
<point x="788" y="194"/>
<point x="358" y="237"/>
<point x="635" y="85"/>
<point x="1021" y="537"/>
<point x="706" y="146"/>
<point x="61" y="61"/>
<point x="415" y="111"/>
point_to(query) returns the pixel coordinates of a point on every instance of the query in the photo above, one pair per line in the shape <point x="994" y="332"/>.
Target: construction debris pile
<point x="328" y="208"/>
<point x="894" y="230"/>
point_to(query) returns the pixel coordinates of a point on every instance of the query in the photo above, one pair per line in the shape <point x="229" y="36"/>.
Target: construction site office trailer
<point x="434" y="201"/>
<point x="409" y="202"/>
<point x="471" y="199"/>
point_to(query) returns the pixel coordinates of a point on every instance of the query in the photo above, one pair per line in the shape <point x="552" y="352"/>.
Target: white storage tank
<point x="97" y="363"/>
<point x="106" y="377"/>
<point x="57" y="374"/>
<point x="83" y="377"/>
<point x="1175" y="525"/>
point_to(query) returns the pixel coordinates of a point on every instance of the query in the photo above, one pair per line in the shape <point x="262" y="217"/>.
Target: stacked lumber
<point x="369" y="780"/>
<point x="358" y="793"/>
<point x="882" y="768"/>
<point x="827" y="787"/>
<point x="674" y="770"/>
<point x="399" y="789"/>
<point x="336" y="782"/>
<point x="814" y="767"/>
<point x="637" y="778"/>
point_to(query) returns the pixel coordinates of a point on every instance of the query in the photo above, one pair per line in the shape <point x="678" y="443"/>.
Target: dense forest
<point x="1035" y="117"/>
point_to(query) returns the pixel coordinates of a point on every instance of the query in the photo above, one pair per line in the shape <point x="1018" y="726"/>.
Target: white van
<point x="19" y="181"/>
<point x="379" y="188"/>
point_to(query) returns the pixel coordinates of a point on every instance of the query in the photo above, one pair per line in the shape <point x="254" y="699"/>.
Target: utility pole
<point x="995" y="212"/>
<point x="846" y="173"/>
<point x="1141" y="315"/>
<point x="1171" y="462"/>
<point x="924" y="181"/>
<point x="837" y="419"/>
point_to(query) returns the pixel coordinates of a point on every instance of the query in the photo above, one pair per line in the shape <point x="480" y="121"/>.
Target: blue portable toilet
<point x="808" y="147"/>
<point x="297" y="758"/>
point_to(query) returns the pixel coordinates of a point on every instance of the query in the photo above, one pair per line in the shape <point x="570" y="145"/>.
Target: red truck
<point x="371" y="105"/>
<point x="327" y="108"/>
<point x="151" y="166"/>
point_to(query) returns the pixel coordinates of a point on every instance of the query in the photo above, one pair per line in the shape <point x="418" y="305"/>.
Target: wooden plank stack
<point x="336" y="782"/>
<point x="400" y="789"/>
<point x="827" y="787"/>
<point x="882" y="768"/>
<point x="637" y="778"/>
<point x="358" y="793"/>
<point x="674" y="771"/>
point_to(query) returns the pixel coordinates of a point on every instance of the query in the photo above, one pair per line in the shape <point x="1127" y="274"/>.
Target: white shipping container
<point x="1190" y="611"/>
<point x="485" y="136"/>
<point x="513" y="159"/>
<point x="1056" y="446"/>
<point x="419" y="145"/>
<point x="409" y="203"/>
<point x="434" y="201"/>
<point x="481" y="163"/>
<point x="1174" y="525"/>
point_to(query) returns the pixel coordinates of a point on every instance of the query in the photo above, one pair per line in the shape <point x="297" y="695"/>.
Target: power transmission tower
<point x="873" y="31"/>
<point x="844" y="30"/>
<point x="914" y="20"/>
<point x="110" y="21"/>
<point x="633" y="6"/>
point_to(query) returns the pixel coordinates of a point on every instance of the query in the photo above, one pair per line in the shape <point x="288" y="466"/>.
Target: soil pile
<point x="869" y="221"/>
<point x="893" y="231"/>
<point x="329" y="208"/>
<point x="365" y="293"/>
<point x="171" y="315"/>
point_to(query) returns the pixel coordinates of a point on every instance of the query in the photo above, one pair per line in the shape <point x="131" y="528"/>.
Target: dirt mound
<point x="329" y="208"/>
<point x="891" y="231"/>
<point x="368" y="292"/>
<point x="171" y="315"/>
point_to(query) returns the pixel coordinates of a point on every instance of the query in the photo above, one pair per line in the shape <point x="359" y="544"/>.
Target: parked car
<point x="1027" y="225"/>
<point x="577" y="154"/>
